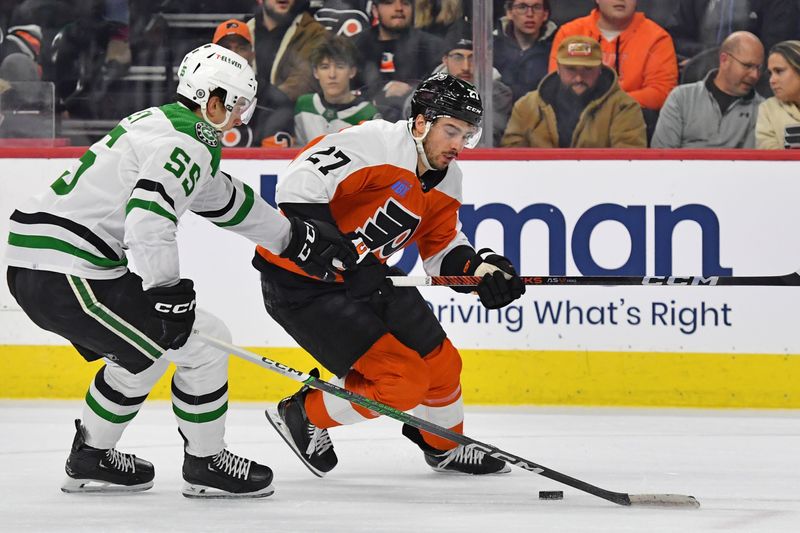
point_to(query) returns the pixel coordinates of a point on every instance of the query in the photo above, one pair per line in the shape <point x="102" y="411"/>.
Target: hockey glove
<point x="315" y="245"/>
<point x="172" y="314"/>
<point x="500" y="284"/>
<point x="368" y="280"/>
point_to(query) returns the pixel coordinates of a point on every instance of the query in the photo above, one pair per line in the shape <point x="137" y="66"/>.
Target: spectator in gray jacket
<point x="720" y="111"/>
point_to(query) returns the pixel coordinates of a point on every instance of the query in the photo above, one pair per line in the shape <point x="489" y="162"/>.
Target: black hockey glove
<point x="368" y="280"/>
<point x="172" y="314"/>
<point x="500" y="284"/>
<point x="315" y="245"/>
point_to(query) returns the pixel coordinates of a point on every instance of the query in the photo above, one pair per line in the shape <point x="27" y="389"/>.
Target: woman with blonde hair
<point x="778" y="124"/>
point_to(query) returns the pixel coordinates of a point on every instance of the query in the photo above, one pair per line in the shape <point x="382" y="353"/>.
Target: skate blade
<point x="94" y="486"/>
<point x="277" y="422"/>
<point x="193" y="490"/>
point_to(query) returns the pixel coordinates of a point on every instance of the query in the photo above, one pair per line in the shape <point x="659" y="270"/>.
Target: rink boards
<point x="656" y="346"/>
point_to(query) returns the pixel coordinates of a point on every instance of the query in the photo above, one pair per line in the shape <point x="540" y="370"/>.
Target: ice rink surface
<point x="743" y="466"/>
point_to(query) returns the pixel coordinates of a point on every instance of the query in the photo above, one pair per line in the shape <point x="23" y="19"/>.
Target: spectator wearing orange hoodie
<point x="638" y="49"/>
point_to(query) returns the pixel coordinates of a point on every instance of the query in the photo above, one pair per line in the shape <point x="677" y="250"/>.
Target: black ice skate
<point x="460" y="460"/>
<point x="225" y="475"/>
<point x="95" y="470"/>
<point x="311" y="444"/>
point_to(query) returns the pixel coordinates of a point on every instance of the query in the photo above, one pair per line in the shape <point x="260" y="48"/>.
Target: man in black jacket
<point x="395" y="56"/>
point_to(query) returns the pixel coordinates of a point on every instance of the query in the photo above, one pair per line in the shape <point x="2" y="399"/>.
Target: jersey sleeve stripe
<point x="69" y="225"/>
<point x="220" y="212"/>
<point x="147" y="205"/>
<point x="244" y="209"/>
<point x="154" y="186"/>
<point x="51" y="243"/>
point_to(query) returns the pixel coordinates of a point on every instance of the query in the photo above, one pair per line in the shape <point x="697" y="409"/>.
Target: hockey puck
<point x="551" y="495"/>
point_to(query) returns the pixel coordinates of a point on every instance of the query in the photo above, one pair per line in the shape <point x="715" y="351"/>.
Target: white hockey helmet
<point x="210" y="67"/>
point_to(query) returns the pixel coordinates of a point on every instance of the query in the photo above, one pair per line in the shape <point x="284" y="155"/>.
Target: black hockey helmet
<point x="443" y="95"/>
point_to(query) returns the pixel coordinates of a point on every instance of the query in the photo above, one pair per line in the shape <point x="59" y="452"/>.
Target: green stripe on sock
<point x="199" y="418"/>
<point x="105" y="414"/>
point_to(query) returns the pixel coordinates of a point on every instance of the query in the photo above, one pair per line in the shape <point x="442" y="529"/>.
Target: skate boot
<point x="460" y="460"/>
<point x="225" y="475"/>
<point x="311" y="444"/>
<point x="95" y="470"/>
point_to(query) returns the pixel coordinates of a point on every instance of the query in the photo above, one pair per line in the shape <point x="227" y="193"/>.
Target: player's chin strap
<point x="418" y="142"/>
<point x="214" y="125"/>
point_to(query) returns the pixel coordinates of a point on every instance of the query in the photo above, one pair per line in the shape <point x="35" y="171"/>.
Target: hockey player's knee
<point x="406" y="389"/>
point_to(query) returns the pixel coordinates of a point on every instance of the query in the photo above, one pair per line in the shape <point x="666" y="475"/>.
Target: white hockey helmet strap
<point x="210" y="67"/>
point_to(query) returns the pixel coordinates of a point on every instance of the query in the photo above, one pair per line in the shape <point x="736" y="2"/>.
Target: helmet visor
<point x="243" y="109"/>
<point x="472" y="138"/>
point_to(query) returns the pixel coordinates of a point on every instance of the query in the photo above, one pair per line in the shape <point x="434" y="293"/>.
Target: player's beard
<point x="433" y="158"/>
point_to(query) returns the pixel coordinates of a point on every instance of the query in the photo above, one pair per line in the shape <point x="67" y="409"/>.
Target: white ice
<point x="743" y="466"/>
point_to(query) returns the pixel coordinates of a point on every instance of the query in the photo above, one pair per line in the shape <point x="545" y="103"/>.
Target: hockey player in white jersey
<point x="68" y="255"/>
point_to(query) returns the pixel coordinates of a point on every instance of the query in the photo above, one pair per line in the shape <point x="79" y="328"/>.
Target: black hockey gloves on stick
<point x="620" y="498"/>
<point x="500" y="285"/>
<point x="172" y="314"/>
<point x="317" y="246"/>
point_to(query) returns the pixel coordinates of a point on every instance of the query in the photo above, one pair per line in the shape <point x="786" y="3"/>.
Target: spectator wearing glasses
<point x="639" y="50"/>
<point x="522" y="47"/>
<point x="720" y="111"/>
<point x="778" y="124"/>
<point x="579" y="106"/>
<point x="458" y="61"/>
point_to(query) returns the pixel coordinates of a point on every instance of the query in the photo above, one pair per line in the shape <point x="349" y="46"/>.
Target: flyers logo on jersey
<point x="389" y="228"/>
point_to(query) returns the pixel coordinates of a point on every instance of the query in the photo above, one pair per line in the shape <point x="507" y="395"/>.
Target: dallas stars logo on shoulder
<point x="206" y="134"/>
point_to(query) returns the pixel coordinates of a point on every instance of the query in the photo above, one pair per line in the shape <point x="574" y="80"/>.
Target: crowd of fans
<point x="567" y="73"/>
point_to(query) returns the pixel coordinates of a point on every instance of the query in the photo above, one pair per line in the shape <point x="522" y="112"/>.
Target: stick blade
<point x="663" y="500"/>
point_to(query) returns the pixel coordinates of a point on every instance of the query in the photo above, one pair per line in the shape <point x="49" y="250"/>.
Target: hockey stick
<point x="787" y="280"/>
<point x="620" y="498"/>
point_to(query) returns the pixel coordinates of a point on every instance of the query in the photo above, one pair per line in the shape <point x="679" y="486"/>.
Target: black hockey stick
<point x="787" y="280"/>
<point x="620" y="498"/>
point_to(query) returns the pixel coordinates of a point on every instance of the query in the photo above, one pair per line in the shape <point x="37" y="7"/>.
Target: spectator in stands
<point x="342" y="17"/>
<point x="395" y="56"/>
<point x="579" y="106"/>
<point x="235" y="36"/>
<point x="522" y="47"/>
<point x="697" y="25"/>
<point x="439" y="17"/>
<point x="639" y="50"/>
<point x="283" y="37"/>
<point x="778" y="123"/>
<point x="334" y="107"/>
<point x="458" y="61"/>
<point x="720" y="111"/>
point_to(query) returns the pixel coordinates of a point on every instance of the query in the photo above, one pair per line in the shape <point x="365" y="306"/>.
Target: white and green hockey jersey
<point x="124" y="197"/>
<point x="314" y="117"/>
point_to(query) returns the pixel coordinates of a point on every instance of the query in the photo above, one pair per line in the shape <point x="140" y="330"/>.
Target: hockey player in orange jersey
<point x="385" y="185"/>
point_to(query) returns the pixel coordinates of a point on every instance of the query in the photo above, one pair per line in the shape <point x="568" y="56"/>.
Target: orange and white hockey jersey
<point x="368" y="176"/>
